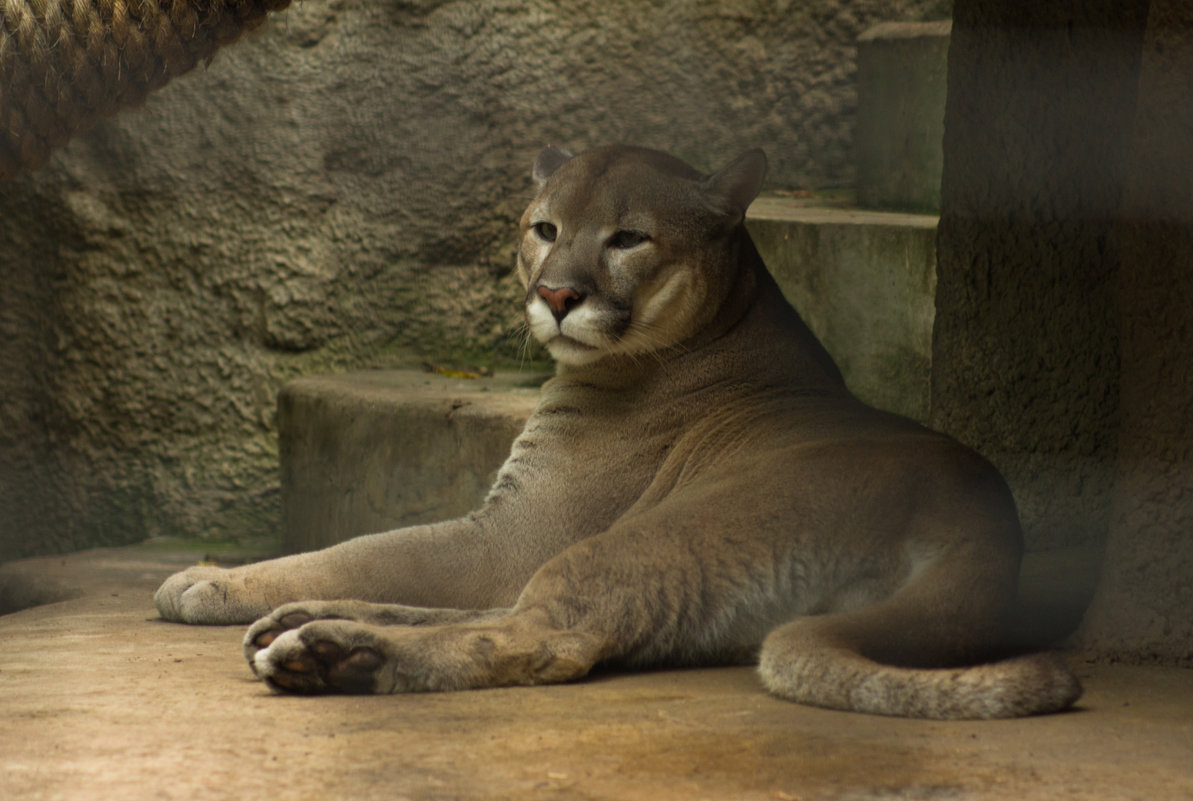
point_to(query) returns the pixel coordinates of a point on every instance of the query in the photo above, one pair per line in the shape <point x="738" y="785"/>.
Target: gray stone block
<point x="371" y="451"/>
<point x="901" y="84"/>
<point x="865" y="283"/>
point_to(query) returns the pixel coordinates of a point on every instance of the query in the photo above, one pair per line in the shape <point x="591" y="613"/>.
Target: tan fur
<point x="696" y="486"/>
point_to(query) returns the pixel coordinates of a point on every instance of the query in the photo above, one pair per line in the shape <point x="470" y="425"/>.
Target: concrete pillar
<point x="1041" y="101"/>
<point x="1143" y="609"/>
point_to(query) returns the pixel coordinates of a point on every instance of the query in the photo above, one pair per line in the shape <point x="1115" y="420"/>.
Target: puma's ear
<point x="734" y="188"/>
<point x="547" y="163"/>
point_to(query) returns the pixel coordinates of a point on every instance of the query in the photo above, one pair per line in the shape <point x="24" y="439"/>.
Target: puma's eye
<point x="624" y="240"/>
<point x="545" y="231"/>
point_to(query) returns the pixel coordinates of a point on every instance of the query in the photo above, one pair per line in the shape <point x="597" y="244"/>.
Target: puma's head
<point x="629" y="251"/>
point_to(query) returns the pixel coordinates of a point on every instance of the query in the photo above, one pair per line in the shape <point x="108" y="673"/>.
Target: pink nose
<point x="560" y="301"/>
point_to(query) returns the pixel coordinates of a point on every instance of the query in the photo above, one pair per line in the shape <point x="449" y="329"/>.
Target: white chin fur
<point x="572" y="353"/>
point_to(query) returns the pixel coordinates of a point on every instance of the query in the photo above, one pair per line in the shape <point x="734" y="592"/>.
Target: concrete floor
<point x="99" y="699"/>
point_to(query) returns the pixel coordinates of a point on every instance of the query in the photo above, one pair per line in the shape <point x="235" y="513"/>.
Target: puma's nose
<point x="560" y="301"/>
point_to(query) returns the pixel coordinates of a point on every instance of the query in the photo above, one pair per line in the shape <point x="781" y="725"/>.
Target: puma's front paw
<point x="322" y="656"/>
<point x="292" y="616"/>
<point x="351" y="657"/>
<point x="296" y="615"/>
<point x="208" y="595"/>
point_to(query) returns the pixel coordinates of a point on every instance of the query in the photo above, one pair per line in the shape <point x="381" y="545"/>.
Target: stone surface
<point x="865" y="283"/>
<point x="901" y="80"/>
<point x="337" y="192"/>
<point x="101" y="700"/>
<point x="367" y="452"/>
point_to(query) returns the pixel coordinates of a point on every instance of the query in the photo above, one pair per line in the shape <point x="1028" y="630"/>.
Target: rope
<point x="66" y="64"/>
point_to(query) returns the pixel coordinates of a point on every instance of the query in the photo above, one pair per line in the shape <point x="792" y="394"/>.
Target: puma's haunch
<point x="696" y="487"/>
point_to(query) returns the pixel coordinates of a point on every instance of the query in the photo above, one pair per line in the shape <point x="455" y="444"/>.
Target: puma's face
<point x="626" y="251"/>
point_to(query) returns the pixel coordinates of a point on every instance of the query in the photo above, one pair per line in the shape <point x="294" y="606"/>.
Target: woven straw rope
<point x="66" y="64"/>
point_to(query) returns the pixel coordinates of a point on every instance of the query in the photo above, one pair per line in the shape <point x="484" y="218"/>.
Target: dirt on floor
<point x="101" y="700"/>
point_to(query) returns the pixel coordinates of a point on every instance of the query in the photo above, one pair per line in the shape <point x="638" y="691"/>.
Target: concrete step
<point x="865" y="283"/>
<point x="371" y="451"/>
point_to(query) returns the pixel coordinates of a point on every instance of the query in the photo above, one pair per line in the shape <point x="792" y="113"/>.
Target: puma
<point x="695" y="487"/>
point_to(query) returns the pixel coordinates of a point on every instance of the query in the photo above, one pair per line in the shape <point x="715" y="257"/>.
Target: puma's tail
<point x="800" y="664"/>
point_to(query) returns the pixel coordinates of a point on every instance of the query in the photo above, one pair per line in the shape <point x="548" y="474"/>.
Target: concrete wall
<point x="336" y="191"/>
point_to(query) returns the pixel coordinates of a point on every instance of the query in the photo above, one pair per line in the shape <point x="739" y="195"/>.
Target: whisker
<point x="650" y="335"/>
<point x="525" y="343"/>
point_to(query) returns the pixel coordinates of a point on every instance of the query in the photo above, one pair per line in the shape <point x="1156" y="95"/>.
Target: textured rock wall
<point x="335" y="191"/>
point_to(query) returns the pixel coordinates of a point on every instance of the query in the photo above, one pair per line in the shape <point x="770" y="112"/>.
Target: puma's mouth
<point x="572" y="351"/>
<point x="582" y="336"/>
<point x="562" y="341"/>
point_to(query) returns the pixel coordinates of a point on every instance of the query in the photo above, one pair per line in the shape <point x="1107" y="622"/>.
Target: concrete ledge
<point x="367" y="452"/>
<point x="865" y="282"/>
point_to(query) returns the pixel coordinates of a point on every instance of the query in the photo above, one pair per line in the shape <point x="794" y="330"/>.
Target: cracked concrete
<point x="100" y="700"/>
